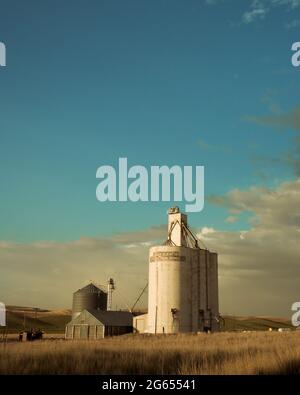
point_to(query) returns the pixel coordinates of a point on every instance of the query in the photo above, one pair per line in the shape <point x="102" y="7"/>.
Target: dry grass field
<point x="220" y="353"/>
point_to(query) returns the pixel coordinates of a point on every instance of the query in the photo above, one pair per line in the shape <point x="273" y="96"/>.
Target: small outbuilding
<point x="97" y="324"/>
<point x="140" y="323"/>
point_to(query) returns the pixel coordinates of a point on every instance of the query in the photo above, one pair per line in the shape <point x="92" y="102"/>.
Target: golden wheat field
<point x="220" y="353"/>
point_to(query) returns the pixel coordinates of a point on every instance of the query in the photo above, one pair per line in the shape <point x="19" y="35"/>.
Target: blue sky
<point x="160" y="82"/>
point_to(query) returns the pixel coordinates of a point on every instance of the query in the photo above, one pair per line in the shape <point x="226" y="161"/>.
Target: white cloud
<point x="205" y="230"/>
<point x="293" y="24"/>
<point x="259" y="267"/>
<point x="266" y="256"/>
<point x="258" y="10"/>
<point x="47" y="273"/>
<point x="231" y="219"/>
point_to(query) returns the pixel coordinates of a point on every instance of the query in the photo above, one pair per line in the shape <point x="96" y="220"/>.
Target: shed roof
<point x="106" y="318"/>
<point x="113" y="318"/>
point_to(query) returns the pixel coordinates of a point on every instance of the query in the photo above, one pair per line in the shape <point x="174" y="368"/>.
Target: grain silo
<point x="90" y="297"/>
<point x="183" y="282"/>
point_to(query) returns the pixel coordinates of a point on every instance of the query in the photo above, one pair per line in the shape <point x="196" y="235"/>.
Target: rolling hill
<point x="54" y="321"/>
<point x="51" y="321"/>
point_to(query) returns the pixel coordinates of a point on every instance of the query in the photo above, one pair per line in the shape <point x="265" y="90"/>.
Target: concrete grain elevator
<point x="183" y="282"/>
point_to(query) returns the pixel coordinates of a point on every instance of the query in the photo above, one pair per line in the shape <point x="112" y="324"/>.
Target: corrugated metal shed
<point x="96" y="324"/>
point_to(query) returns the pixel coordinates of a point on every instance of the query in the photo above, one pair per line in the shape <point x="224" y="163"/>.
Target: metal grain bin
<point x="89" y="297"/>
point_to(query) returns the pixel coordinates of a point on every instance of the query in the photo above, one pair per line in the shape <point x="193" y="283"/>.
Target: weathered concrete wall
<point x="183" y="290"/>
